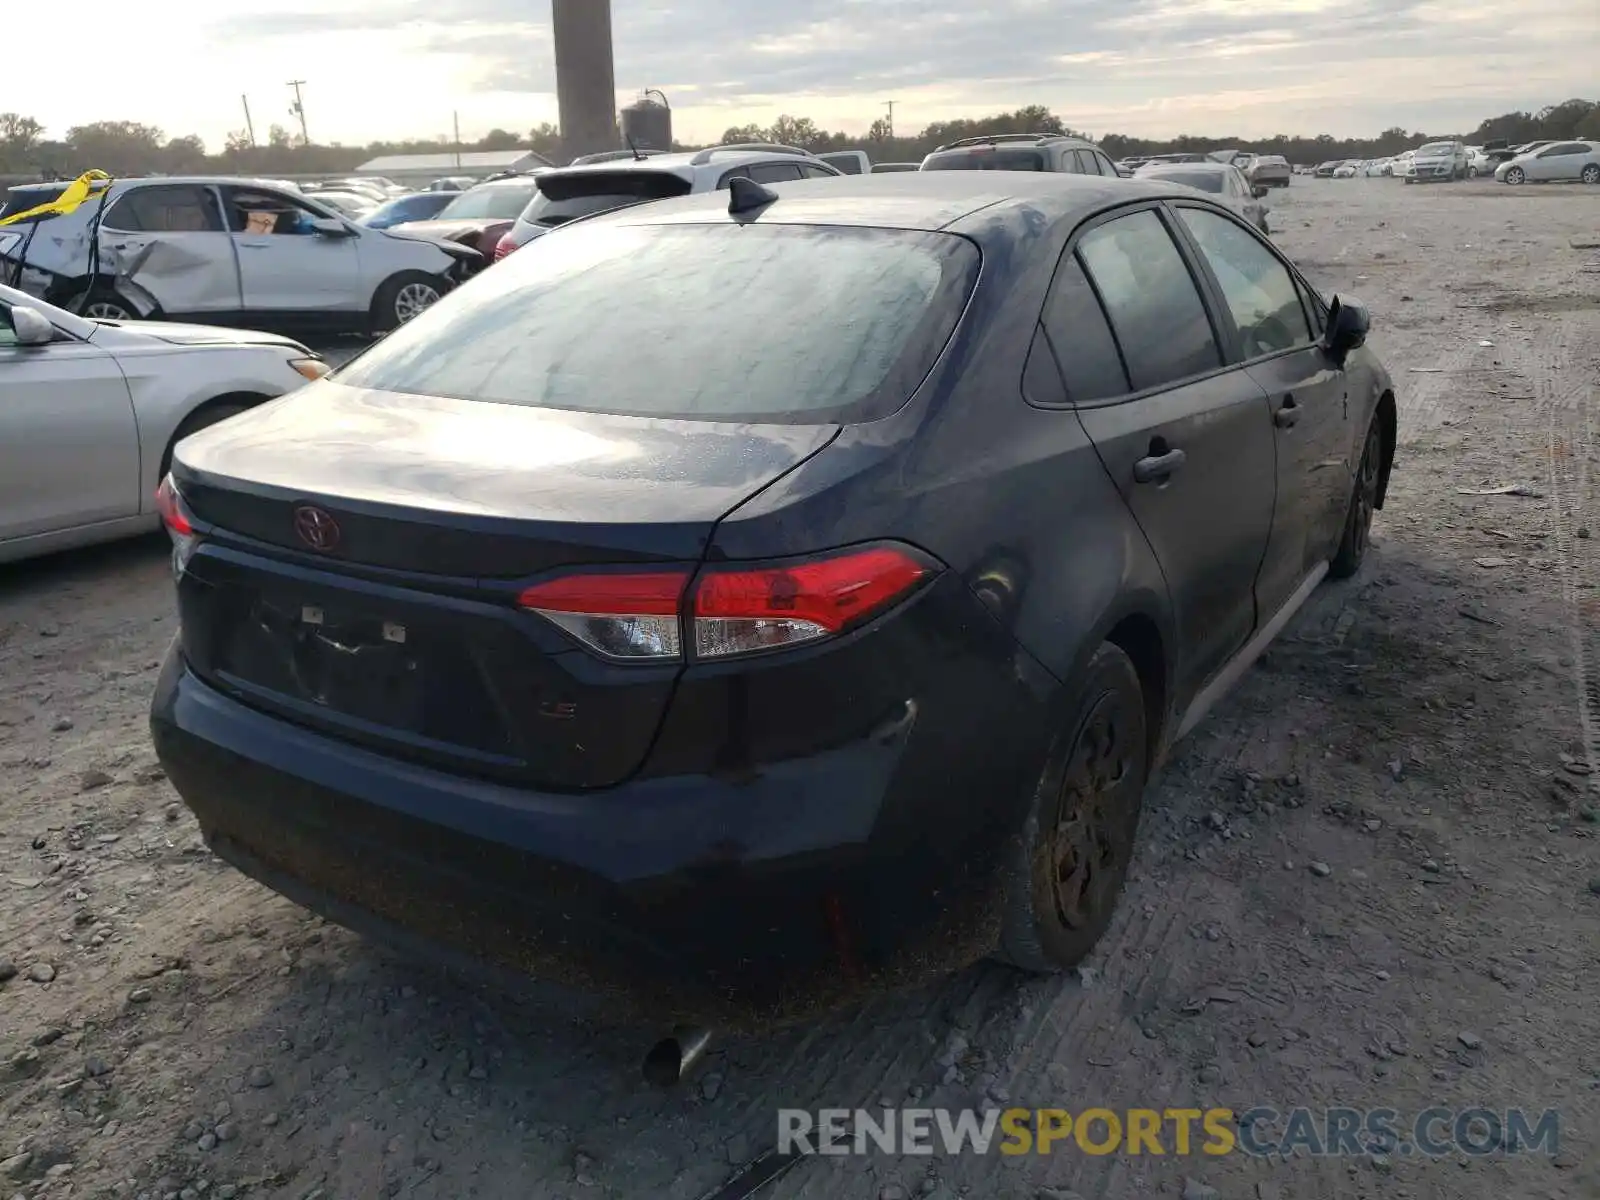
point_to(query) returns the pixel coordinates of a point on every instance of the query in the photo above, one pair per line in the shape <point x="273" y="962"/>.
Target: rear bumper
<point x="743" y="901"/>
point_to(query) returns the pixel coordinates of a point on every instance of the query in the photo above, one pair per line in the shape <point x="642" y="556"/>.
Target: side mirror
<point x="330" y="228"/>
<point x="31" y="326"/>
<point x="1348" y="325"/>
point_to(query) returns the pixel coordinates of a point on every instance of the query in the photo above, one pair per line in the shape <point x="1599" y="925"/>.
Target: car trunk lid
<point x="361" y="554"/>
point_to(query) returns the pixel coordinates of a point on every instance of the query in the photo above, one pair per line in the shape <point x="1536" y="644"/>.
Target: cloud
<point x="1246" y="66"/>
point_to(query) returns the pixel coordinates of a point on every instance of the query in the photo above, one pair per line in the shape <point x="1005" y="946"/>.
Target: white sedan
<point x="90" y="412"/>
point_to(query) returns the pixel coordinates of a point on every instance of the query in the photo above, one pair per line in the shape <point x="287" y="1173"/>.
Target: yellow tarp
<point x="79" y="190"/>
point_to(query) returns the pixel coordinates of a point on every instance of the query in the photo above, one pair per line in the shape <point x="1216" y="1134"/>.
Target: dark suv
<point x="1023" y="152"/>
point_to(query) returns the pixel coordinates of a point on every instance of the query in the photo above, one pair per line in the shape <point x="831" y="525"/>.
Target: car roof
<point x="680" y="162"/>
<point x="1164" y="165"/>
<point x="926" y="200"/>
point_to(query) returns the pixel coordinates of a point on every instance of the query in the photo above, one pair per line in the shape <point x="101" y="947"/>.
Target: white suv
<point x="568" y="193"/>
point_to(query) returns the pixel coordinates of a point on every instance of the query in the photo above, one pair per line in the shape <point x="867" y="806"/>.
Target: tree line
<point x="131" y="148"/>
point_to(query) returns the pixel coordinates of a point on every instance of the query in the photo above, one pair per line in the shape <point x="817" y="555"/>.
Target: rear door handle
<point x="1157" y="468"/>
<point x="1288" y="413"/>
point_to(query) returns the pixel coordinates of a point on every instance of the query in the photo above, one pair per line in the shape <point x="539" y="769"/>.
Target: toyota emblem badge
<point x="316" y="528"/>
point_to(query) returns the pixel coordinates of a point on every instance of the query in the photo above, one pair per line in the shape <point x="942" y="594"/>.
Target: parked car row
<point x="1448" y="161"/>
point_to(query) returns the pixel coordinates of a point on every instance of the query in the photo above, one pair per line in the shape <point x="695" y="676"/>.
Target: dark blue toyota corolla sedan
<point x="747" y="600"/>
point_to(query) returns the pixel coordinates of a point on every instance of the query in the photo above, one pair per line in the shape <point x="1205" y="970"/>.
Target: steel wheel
<point x="1363" y="503"/>
<point x="412" y="300"/>
<point x="1088" y="842"/>
<point x="1066" y="869"/>
<point x="1516" y="175"/>
<point x="1591" y="173"/>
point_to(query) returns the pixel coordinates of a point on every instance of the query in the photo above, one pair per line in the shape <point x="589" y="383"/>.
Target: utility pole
<point x="455" y="119"/>
<point x="298" y="108"/>
<point x="889" y="104"/>
<point x="249" y="125"/>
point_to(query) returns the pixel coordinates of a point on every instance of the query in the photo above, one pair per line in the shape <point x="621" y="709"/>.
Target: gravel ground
<point x="1372" y="878"/>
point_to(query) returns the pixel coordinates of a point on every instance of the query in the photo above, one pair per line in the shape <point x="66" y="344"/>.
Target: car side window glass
<point x="811" y="172"/>
<point x="1154" y="306"/>
<point x="173" y="208"/>
<point x="774" y="172"/>
<point x="1084" y="164"/>
<point x="1105" y="164"/>
<point x="735" y="173"/>
<point x="263" y="213"/>
<point x="1258" y="288"/>
<point x="1085" y="350"/>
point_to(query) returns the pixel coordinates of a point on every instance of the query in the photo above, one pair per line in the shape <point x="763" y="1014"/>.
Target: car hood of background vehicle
<point x="507" y="461"/>
<point x="189" y="335"/>
<point x="448" y="230"/>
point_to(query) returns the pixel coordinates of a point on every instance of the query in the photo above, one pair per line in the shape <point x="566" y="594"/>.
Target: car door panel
<point x="283" y="265"/>
<point x="169" y="241"/>
<point x="69" y="445"/>
<point x="1278" y="343"/>
<point x="1191" y="448"/>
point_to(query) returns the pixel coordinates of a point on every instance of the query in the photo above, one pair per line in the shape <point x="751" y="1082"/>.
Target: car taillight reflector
<point x="170" y="506"/>
<point x="503" y="247"/>
<point x="732" y="610"/>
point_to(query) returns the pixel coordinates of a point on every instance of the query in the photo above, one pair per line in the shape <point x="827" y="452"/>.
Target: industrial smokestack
<point x="586" y="87"/>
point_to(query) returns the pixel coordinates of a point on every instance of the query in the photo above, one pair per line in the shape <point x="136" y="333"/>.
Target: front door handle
<point x="1158" y="468"/>
<point x="1288" y="413"/>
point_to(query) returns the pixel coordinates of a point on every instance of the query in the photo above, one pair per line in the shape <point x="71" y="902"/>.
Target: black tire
<point x="1363" y="502"/>
<point x="1591" y="174"/>
<point x="396" y="300"/>
<point x="201" y="418"/>
<point x="1087" y="798"/>
<point x="1516" y="176"/>
<point x="102" y="302"/>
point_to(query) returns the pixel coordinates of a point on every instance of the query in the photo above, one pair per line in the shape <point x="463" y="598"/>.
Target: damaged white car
<point x="220" y="251"/>
<point x="90" y="412"/>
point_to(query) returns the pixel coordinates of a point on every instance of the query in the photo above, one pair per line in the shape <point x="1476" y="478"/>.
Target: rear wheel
<point x="1068" y="868"/>
<point x="1363" y="503"/>
<point x="1591" y="173"/>
<point x="1516" y="175"/>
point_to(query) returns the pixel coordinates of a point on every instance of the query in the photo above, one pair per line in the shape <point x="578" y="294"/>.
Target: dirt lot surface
<point x="1372" y="878"/>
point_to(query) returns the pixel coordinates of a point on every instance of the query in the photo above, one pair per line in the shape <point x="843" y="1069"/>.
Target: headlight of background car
<point x="312" y="368"/>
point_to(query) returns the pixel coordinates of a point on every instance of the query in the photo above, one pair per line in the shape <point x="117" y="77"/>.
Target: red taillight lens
<point x="740" y="610"/>
<point x="170" y="505"/>
<point x="503" y="247"/>
<point x="732" y="610"/>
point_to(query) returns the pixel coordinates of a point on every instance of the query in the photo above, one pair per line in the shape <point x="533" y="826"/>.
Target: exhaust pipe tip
<point x="674" y="1057"/>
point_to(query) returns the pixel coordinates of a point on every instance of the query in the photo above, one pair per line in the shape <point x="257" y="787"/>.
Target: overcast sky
<point x="396" y="68"/>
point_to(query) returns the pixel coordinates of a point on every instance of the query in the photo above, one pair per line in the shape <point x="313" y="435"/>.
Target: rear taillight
<point x="170" y="505"/>
<point x="729" y="610"/>
<point x="503" y="247"/>
<point x="177" y="522"/>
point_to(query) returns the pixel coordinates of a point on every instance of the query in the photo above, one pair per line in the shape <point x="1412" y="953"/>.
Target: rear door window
<point x="21" y="199"/>
<point x="1155" y="307"/>
<point x="167" y="208"/>
<point x="761" y="323"/>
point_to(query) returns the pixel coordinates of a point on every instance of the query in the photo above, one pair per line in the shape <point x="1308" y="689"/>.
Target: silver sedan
<point x="1558" y="162"/>
<point x="90" y="412"/>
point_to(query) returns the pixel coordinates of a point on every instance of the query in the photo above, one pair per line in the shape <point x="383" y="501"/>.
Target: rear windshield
<point x="790" y="324"/>
<point x="985" y="160"/>
<point x="581" y="194"/>
<point x="500" y="202"/>
<point x="1206" y="181"/>
<point x="21" y="199"/>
